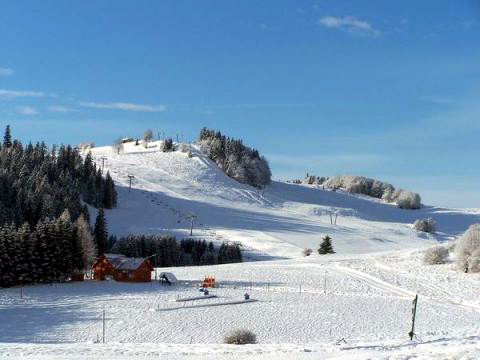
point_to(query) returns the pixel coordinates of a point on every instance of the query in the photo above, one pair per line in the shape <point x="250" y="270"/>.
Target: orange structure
<point x="209" y="282"/>
<point x="122" y="268"/>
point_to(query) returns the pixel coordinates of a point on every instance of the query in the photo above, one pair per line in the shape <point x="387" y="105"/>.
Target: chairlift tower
<point x="130" y="180"/>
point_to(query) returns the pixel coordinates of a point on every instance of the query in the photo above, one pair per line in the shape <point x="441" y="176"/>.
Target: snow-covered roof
<point x="129" y="263"/>
<point x="121" y="262"/>
<point x="169" y="276"/>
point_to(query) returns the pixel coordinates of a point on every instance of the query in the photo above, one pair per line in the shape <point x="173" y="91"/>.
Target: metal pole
<point x="325" y="283"/>
<point x="130" y="179"/>
<point x="414" y="313"/>
<point x="103" y="335"/>
<point x="103" y="162"/>
<point x="193" y="217"/>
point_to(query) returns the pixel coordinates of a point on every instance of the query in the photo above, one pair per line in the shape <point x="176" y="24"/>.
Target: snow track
<point x="375" y="282"/>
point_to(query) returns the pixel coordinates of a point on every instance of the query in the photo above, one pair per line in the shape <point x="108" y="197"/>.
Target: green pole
<point x="414" y="312"/>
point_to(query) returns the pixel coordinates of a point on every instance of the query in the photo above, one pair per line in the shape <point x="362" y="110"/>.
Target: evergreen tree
<point x="109" y="193"/>
<point x="101" y="232"/>
<point x="326" y="246"/>
<point x="7" y="138"/>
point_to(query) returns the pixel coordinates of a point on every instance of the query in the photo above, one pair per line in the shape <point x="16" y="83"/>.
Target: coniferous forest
<point x="169" y="252"/>
<point x="44" y="222"/>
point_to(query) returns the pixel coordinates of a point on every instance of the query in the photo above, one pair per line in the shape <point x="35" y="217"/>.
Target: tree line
<point x="167" y="251"/>
<point x="44" y="225"/>
<point x="236" y="160"/>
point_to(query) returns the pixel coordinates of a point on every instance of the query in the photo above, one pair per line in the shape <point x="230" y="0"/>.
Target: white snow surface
<point x="355" y="304"/>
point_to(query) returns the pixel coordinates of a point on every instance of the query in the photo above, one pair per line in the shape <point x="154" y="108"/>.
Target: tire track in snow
<point x="374" y="281"/>
<point x="396" y="290"/>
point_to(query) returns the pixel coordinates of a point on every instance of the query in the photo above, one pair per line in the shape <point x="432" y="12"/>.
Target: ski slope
<point x="354" y="304"/>
<point x="279" y="221"/>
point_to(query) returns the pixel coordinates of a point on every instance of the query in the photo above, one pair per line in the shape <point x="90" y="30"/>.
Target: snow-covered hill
<point x="278" y="221"/>
<point x="355" y="304"/>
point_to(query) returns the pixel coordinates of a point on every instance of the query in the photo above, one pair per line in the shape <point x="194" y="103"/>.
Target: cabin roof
<point x="121" y="262"/>
<point x="128" y="263"/>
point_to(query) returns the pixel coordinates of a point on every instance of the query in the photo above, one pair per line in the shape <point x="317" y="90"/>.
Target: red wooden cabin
<point x="122" y="268"/>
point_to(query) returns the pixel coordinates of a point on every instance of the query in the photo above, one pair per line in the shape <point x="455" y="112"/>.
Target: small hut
<point x="133" y="270"/>
<point x="122" y="268"/>
<point x="168" y="278"/>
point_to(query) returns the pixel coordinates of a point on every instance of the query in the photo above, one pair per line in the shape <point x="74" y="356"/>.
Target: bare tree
<point x="118" y="146"/>
<point x="147" y="136"/>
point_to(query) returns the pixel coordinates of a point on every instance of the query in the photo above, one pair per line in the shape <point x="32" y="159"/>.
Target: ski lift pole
<point x="414" y="313"/>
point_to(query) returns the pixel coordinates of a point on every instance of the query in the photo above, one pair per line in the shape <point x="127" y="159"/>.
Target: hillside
<point x="355" y="304"/>
<point x="278" y="221"/>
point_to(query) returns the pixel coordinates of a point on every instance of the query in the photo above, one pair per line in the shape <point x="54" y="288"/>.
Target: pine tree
<point x="109" y="193"/>
<point x="86" y="243"/>
<point x="7" y="138"/>
<point x="101" y="232"/>
<point x="326" y="246"/>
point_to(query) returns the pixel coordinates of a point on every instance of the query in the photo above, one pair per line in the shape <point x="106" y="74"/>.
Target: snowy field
<point x="355" y="304"/>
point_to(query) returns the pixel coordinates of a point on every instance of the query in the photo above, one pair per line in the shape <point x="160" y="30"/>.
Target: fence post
<point x="414" y="313"/>
<point x="103" y="328"/>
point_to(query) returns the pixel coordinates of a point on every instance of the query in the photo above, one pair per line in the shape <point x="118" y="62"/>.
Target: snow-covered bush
<point x="407" y="199"/>
<point x="240" y="337"/>
<point x="435" y="255"/>
<point x="307" y="252"/>
<point x="359" y="185"/>
<point x="467" y="250"/>
<point x="375" y="188"/>
<point x="426" y="225"/>
<point x="237" y="161"/>
<point x="184" y="148"/>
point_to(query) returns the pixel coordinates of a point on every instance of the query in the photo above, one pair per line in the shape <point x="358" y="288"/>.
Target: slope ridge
<point x="280" y="220"/>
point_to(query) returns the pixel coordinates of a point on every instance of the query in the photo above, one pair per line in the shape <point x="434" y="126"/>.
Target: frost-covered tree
<point x="375" y="188"/>
<point x="467" y="250"/>
<point x="85" y="242"/>
<point x="407" y="199"/>
<point x="426" y="225"/>
<point x="238" y="161"/>
<point x="435" y="255"/>
<point x="147" y="137"/>
<point x="117" y="146"/>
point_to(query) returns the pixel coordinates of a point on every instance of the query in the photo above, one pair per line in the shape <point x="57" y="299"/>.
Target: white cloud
<point x="350" y="24"/>
<point x="6" y="72"/>
<point x="13" y="93"/>
<point x="27" y="110"/>
<point x="125" y="106"/>
<point x="59" y="109"/>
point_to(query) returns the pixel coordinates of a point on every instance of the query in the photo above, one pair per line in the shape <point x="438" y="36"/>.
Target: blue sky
<point x="387" y="89"/>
